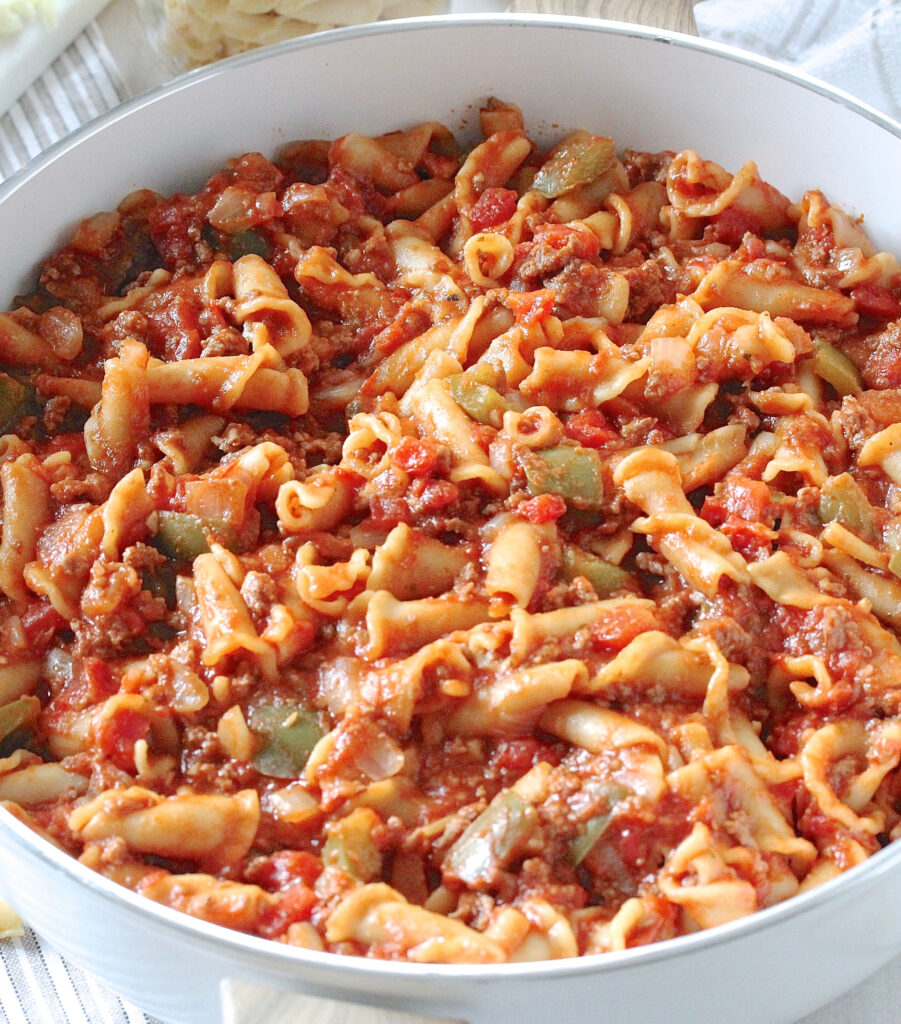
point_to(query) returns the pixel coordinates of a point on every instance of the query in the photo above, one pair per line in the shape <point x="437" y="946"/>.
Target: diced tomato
<point x="531" y="307"/>
<point x="283" y="868"/>
<point x="619" y="627"/>
<point x="90" y="683"/>
<point x="294" y="903"/>
<point x="432" y="495"/>
<point x="389" y="510"/>
<point x="353" y="191"/>
<point x="73" y="443"/>
<point x="743" y="510"/>
<point x="39" y="622"/>
<point x="590" y="428"/>
<point x="98" y="679"/>
<point x="731" y="225"/>
<point x="876" y="300"/>
<point x="636" y="842"/>
<point x="174" y="332"/>
<point x="742" y="498"/>
<point x="116" y="735"/>
<point x="255" y="170"/>
<point x="175" y="226"/>
<point x="751" y="540"/>
<point x="493" y="207"/>
<point x="409" y="323"/>
<point x="417" y="457"/>
<point x="543" y="508"/>
<point x="218" y="182"/>
<point x="583" y="242"/>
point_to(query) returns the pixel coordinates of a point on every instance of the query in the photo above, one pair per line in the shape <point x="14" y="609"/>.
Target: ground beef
<point x="866" y="413"/>
<point x="649" y="287"/>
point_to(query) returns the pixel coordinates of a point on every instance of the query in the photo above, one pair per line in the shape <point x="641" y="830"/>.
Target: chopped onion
<point x="292" y="803"/>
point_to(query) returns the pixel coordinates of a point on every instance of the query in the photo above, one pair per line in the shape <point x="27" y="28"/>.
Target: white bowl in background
<point x="649" y="90"/>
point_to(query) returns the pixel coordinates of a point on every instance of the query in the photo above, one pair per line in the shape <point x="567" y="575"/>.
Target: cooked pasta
<point x="456" y="553"/>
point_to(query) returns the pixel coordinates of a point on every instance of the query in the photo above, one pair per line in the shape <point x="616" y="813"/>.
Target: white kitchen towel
<point x="37" y="986"/>
<point x="81" y="83"/>
<point x="26" y="53"/>
<point x="852" y="44"/>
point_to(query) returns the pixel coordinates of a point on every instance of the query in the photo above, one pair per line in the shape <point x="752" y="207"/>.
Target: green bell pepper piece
<point x="13" y="399"/>
<point x="581" y="845"/>
<point x="289" y="735"/>
<point x="836" y="368"/>
<point x="493" y="841"/>
<point x="842" y="500"/>
<point x="576" y="474"/>
<point x="579" y="159"/>
<point x="182" y="536"/>
<point x="18" y="714"/>
<point x="604" y="576"/>
<point x="479" y="401"/>
<point x="246" y="243"/>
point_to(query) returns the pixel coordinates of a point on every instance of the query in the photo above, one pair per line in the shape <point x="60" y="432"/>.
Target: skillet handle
<point x="674" y="15"/>
<point x="246" y="1002"/>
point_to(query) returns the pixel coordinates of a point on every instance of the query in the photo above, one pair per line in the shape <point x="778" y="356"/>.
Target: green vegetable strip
<point x="246" y="243"/>
<point x="582" y="844"/>
<point x="18" y="714"/>
<point x="579" y="159"/>
<point x="289" y="735"/>
<point x="605" y="577"/>
<point x="493" y="841"/>
<point x="181" y="536"/>
<point x="479" y="401"/>
<point x="13" y="399"/>
<point x="836" y="368"/>
<point x="842" y="500"/>
<point x="576" y="474"/>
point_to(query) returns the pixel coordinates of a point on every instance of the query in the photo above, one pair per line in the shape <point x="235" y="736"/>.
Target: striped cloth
<point x="81" y="83"/>
<point x="38" y="987"/>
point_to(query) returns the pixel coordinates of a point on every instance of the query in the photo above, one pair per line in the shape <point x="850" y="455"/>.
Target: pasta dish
<point x="457" y="553"/>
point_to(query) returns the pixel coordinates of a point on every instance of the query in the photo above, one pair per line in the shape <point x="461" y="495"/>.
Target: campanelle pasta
<point x="457" y="554"/>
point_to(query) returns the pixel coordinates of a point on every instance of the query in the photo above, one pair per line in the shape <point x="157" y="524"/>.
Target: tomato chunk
<point x="493" y="207"/>
<point x="590" y="428"/>
<point x="531" y="307"/>
<point x="876" y="300"/>
<point x="543" y="508"/>
<point x="117" y="734"/>
<point x="619" y="628"/>
<point x="417" y="457"/>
